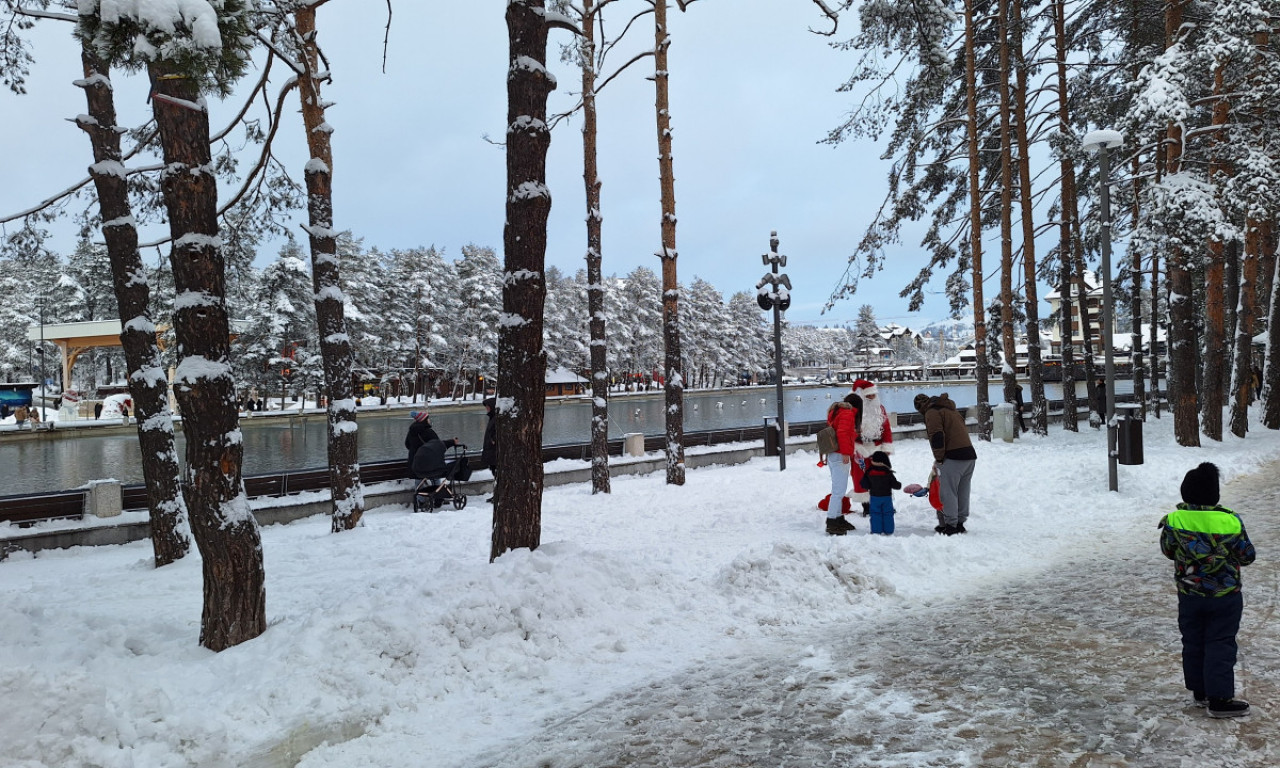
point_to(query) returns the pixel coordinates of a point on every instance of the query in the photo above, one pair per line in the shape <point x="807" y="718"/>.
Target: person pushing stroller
<point x="430" y="466"/>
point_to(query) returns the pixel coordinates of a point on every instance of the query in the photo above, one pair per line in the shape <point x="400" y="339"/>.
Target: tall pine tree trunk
<point x="600" y="482"/>
<point x="1066" y="226"/>
<point x="522" y="362"/>
<point x="221" y="521"/>
<point x="1256" y="246"/>
<point x="1137" y="310"/>
<point x="335" y="345"/>
<point x="1035" y="370"/>
<point x="1265" y="269"/>
<point x="674" y="384"/>
<point x="1182" y="330"/>
<point x="1158" y="321"/>
<point x="1211" y="393"/>
<point x="1007" y="332"/>
<point x="1271" y="365"/>
<point x="975" y="223"/>
<point x="148" y="385"/>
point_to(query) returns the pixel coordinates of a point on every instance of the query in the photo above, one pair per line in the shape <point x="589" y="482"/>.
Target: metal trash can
<point x="1129" y="428"/>
<point x="770" y="436"/>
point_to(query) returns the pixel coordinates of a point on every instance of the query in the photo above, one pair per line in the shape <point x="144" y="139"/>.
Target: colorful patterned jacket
<point x="1208" y="546"/>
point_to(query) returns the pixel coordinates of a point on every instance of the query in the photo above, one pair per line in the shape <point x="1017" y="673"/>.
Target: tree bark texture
<point x="522" y="362"/>
<point x="1158" y="321"/>
<point x="1215" y="358"/>
<point x="221" y="521"/>
<point x="1067" y="224"/>
<point x="674" y="384"/>
<point x="1242" y="375"/>
<point x="1182" y="331"/>
<point x="1136" y="309"/>
<point x="1257" y="256"/>
<point x="982" y="393"/>
<point x="335" y="344"/>
<point x="1008" y="338"/>
<point x="148" y="385"/>
<point x="1271" y="366"/>
<point x="600" y="481"/>
<point x="1031" y="299"/>
<point x="1231" y="301"/>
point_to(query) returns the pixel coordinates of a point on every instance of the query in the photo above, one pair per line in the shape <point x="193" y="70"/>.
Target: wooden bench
<point x="25" y="511"/>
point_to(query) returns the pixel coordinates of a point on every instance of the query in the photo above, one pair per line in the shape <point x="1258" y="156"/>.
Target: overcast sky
<point x="753" y="91"/>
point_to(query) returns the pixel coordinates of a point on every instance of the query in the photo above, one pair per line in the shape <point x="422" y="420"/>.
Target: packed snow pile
<point x="642" y="620"/>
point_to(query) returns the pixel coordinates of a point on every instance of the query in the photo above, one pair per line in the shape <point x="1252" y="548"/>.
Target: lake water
<point x="278" y="444"/>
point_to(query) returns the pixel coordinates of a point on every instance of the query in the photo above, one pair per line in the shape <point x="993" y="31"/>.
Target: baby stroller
<point x="438" y="478"/>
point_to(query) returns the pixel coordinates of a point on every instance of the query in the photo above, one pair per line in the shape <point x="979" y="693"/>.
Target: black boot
<point x="836" y="526"/>
<point x="1228" y="708"/>
<point x="866" y="509"/>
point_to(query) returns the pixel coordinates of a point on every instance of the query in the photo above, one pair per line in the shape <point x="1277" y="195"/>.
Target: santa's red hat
<point x="864" y="388"/>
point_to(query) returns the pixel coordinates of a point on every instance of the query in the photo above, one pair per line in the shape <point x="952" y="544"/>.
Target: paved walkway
<point x="1075" y="668"/>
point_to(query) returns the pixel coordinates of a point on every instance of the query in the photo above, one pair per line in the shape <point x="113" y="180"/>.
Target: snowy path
<point x="1076" y="667"/>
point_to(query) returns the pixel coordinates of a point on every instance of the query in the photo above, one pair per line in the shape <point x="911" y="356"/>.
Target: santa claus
<point x="874" y="434"/>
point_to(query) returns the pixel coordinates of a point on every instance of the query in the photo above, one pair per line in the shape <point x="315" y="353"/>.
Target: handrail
<point x="134" y="495"/>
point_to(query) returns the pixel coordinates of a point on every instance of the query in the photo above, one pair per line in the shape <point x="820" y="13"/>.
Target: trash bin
<point x="770" y="437"/>
<point x="1003" y="424"/>
<point x="633" y="444"/>
<point x="1129" y="427"/>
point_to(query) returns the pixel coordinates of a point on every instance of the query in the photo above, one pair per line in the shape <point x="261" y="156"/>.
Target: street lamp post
<point x="1100" y="141"/>
<point x="774" y="292"/>
<point x="40" y="301"/>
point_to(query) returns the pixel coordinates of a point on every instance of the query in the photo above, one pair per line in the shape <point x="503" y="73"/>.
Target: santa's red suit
<point x="874" y="434"/>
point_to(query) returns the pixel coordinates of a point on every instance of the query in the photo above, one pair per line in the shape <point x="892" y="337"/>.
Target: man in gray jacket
<point x="954" y="454"/>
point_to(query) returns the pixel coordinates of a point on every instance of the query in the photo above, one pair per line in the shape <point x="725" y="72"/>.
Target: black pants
<point x="1209" y="626"/>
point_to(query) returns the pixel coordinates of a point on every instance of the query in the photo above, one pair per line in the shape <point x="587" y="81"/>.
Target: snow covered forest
<point x="412" y="315"/>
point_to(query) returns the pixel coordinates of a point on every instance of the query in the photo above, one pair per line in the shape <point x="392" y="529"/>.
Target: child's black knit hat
<point x="1200" y="486"/>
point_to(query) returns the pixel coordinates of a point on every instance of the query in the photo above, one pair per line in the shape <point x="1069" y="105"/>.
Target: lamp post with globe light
<point x="1101" y="141"/>
<point x="774" y="292"/>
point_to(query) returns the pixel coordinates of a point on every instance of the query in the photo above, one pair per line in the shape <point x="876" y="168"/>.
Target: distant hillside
<point x="951" y="328"/>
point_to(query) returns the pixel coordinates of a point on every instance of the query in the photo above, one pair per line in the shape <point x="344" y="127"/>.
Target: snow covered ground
<point x="712" y="624"/>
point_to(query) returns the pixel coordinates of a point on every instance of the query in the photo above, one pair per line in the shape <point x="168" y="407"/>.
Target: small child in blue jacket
<point x="881" y="482"/>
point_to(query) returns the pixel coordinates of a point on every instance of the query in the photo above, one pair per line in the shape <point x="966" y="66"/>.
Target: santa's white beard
<point x="872" y="426"/>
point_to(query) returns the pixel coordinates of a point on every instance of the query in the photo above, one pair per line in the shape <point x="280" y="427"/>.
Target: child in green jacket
<point x="1208" y="546"/>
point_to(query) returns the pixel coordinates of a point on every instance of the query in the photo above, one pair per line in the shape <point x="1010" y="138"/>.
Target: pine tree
<point x="183" y="67"/>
